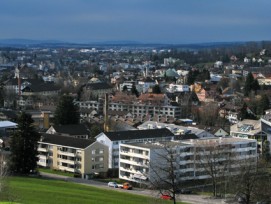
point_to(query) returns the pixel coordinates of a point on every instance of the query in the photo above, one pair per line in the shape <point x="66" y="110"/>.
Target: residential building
<point x="71" y="130"/>
<point x="113" y="139"/>
<point x="78" y="156"/>
<point x="176" y="129"/>
<point x="178" y="88"/>
<point x="140" y="162"/>
<point x="249" y="129"/>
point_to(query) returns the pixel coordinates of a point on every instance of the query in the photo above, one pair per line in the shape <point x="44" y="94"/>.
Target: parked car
<point x="112" y="184"/>
<point x="127" y="186"/>
<point x="184" y="191"/>
<point x="166" y="197"/>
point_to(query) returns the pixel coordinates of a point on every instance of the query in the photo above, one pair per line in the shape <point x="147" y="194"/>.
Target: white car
<point x="112" y="184"/>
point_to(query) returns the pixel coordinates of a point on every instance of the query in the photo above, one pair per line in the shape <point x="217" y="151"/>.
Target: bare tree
<point x="214" y="161"/>
<point x="4" y="193"/>
<point x="253" y="182"/>
<point x="163" y="175"/>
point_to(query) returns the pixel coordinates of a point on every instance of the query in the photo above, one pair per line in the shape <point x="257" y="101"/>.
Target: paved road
<point x="192" y="199"/>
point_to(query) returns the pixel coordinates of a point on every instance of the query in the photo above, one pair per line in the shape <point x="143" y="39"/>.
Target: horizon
<point x="151" y="21"/>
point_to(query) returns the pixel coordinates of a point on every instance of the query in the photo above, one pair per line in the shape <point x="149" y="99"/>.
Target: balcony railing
<point x="71" y="154"/>
<point x="64" y="168"/>
<point x="66" y="161"/>
<point x="41" y="149"/>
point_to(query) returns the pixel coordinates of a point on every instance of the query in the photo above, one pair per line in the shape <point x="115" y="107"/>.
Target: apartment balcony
<point x="64" y="168"/>
<point x="133" y="170"/>
<point x="40" y="149"/>
<point x="66" y="161"/>
<point x="132" y="162"/>
<point x="66" y="153"/>
<point x="133" y="154"/>
<point x="186" y="170"/>
<point x="43" y="164"/>
<point x="41" y="156"/>
<point x="183" y="154"/>
<point x="186" y="161"/>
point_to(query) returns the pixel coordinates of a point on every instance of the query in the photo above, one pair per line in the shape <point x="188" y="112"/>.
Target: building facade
<point x="78" y="156"/>
<point x="141" y="162"/>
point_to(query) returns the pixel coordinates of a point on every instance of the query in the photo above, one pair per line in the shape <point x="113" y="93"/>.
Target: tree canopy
<point x="156" y="89"/>
<point x="66" y="112"/>
<point x="24" y="143"/>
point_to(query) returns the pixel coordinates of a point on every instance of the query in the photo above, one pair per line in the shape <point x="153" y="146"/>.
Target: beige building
<point x="78" y="156"/>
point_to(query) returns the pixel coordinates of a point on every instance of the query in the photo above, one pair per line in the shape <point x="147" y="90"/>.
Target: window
<point x="101" y="151"/>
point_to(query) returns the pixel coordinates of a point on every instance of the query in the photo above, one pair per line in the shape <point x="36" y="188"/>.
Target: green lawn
<point x="39" y="191"/>
<point x="52" y="171"/>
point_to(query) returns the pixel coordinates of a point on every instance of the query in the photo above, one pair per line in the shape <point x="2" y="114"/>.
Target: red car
<point x="166" y="197"/>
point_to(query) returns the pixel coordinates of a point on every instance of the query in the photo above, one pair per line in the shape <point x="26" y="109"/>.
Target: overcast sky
<point x="147" y="21"/>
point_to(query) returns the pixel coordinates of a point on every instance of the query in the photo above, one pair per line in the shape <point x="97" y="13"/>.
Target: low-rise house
<point x="96" y="90"/>
<point x="114" y="139"/>
<point x="71" y="130"/>
<point x="78" y="156"/>
<point x="142" y="162"/>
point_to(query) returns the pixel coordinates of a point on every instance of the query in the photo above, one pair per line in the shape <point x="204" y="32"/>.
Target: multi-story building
<point x="140" y="162"/>
<point x="78" y="156"/>
<point x="113" y="139"/>
<point x="146" y="104"/>
<point x="250" y="129"/>
<point x="176" y="129"/>
<point x="173" y="88"/>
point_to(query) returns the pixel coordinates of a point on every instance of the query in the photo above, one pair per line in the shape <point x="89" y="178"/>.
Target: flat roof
<point x="8" y="124"/>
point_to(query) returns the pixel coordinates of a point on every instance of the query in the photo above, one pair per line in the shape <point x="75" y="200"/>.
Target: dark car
<point x="184" y="191"/>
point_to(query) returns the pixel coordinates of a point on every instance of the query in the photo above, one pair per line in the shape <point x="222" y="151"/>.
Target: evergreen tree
<point x="244" y="114"/>
<point x="266" y="151"/>
<point x="134" y="91"/>
<point x="66" y="112"/>
<point x="23" y="145"/>
<point x="156" y="89"/>
<point x="255" y="86"/>
<point x="190" y="78"/>
<point x="263" y="104"/>
<point x="248" y="84"/>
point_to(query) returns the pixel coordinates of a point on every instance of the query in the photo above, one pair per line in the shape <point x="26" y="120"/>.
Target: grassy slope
<point x="39" y="191"/>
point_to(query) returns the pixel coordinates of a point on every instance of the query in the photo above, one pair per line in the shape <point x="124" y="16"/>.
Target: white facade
<point x="113" y="146"/>
<point x="176" y="129"/>
<point x="178" y="88"/>
<point x="138" y="161"/>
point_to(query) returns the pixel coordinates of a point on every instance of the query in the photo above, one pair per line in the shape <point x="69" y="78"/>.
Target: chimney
<point x="106" y="128"/>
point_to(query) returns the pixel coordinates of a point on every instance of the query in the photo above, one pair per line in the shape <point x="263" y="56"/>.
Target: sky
<point x="145" y="21"/>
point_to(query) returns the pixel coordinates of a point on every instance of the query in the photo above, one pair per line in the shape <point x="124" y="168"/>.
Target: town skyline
<point x="178" y="22"/>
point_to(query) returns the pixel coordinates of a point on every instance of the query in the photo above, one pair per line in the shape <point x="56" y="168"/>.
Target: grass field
<point x="51" y="171"/>
<point x="39" y="191"/>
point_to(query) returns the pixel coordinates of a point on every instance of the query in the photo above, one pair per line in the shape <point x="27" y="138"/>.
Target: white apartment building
<point x="173" y="88"/>
<point x="128" y="84"/>
<point x="142" y="109"/>
<point x="176" y="129"/>
<point x="113" y="139"/>
<point x="140" y="162"/>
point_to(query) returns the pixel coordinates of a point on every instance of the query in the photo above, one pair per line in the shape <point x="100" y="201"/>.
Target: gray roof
<point x="71" y="129"/>
<point x="139" y="134"/>
<point x="66" y="141"/>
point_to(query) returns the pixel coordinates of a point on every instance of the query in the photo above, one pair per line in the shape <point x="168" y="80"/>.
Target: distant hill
<point x="59" y="43"/>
